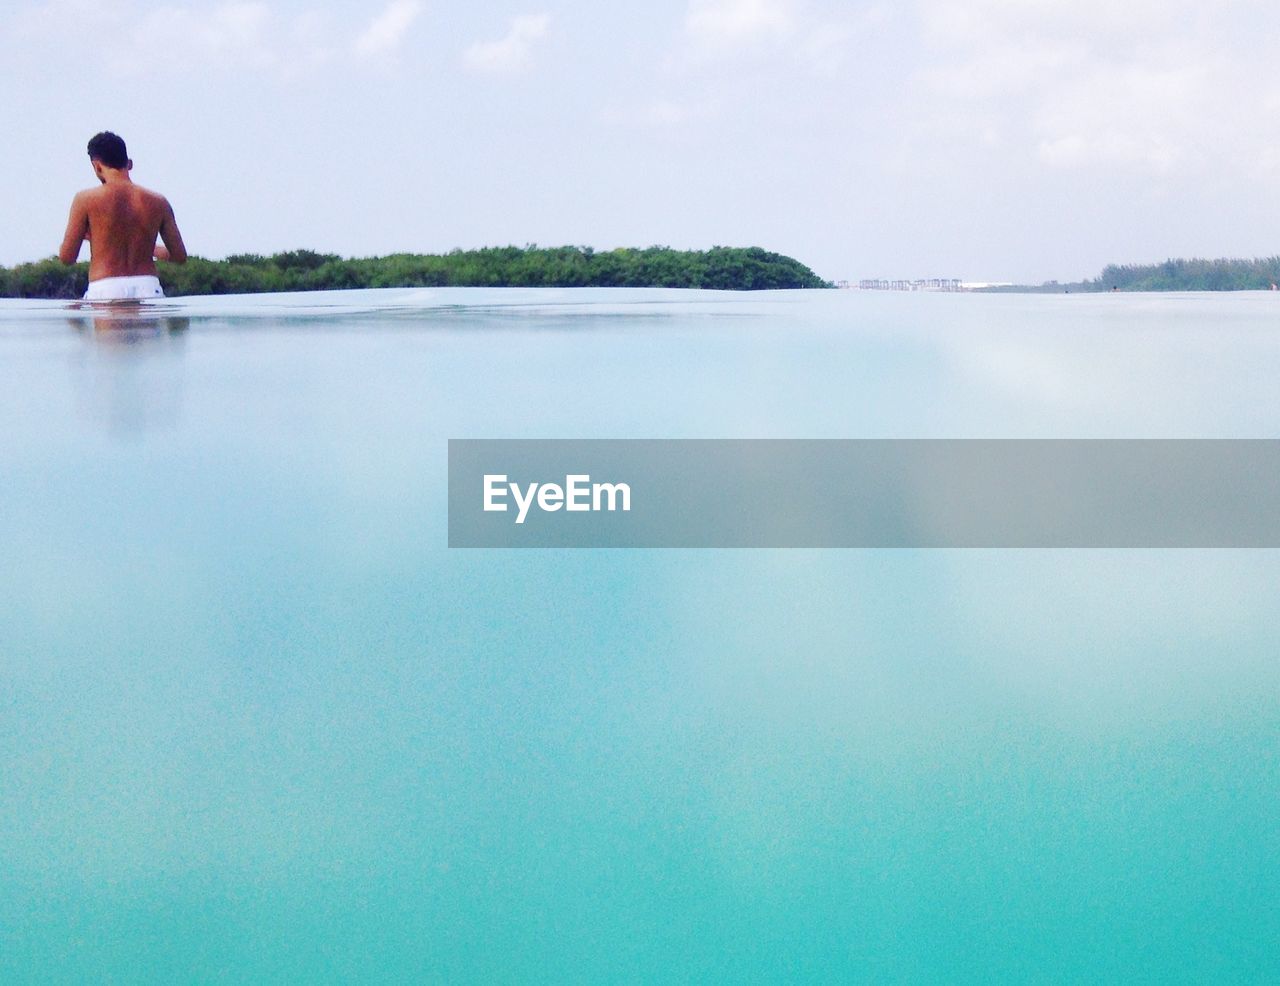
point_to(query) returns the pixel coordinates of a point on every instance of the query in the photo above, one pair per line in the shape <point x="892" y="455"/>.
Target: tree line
<point x="1197" y="274"/>
<point x="1258" y="274"/>
<point x="726" y="268"/>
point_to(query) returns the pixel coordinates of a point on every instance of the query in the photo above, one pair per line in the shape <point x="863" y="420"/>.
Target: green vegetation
<point x="1258" y="274"/>
<point x="730" y="268"/>
<point x="1192" y="275"/>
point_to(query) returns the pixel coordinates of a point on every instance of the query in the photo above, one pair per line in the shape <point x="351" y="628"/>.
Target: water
<point x="257" y="724"/>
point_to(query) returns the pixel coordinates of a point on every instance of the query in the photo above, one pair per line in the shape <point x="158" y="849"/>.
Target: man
<point x="121" y="221"/>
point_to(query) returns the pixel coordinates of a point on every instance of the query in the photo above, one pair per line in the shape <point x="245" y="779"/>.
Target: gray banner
<point x="802" y="493"/>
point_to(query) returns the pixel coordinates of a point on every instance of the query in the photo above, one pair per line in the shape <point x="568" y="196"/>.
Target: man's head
<point x="106" y="150"/>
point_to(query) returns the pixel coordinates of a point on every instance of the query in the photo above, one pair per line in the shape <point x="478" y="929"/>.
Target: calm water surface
<point x="257" y="723"/>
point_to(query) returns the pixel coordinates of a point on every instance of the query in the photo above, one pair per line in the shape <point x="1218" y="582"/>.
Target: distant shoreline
<point x="1223" y="274"/>
<point x="720" y="268"/>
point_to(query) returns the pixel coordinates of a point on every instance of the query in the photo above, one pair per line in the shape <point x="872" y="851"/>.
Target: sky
<point x="1005" y="140"/>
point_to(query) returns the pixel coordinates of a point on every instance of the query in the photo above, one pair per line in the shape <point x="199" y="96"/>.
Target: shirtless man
<point x="121" y="221"/>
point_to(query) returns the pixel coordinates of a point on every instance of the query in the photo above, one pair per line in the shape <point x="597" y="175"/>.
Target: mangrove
<point x="725" y="268"/>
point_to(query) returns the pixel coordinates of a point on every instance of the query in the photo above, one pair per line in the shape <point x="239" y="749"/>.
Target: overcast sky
<point x="982" y="139"/>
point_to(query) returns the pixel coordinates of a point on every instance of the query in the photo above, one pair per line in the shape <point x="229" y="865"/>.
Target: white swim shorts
<point x="133" y="288"/>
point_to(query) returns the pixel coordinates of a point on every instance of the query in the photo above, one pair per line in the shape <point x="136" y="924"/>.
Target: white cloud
<point x="386" y="32"/>
<point x="237" y="33"/>
<point x="965" y="22"/>
<point x="825" y="47"/>
<point x="1140" y="85"/>
<point x="511" y="53"/>
<point x="732" y="24"/>
<point x="134" y="39"/>
<point x="812" y="36"/>
<point x="1155" y="126"/>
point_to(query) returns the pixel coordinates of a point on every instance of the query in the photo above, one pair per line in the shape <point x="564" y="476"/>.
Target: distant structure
<point x="921" y="284"/>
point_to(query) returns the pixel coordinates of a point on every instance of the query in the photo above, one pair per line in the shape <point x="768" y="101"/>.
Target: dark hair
<point x="109" y="149"/>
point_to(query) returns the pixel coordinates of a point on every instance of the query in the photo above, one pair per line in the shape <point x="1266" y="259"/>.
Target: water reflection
<point x="132" y="365"/>
<point x="128" y="323"/>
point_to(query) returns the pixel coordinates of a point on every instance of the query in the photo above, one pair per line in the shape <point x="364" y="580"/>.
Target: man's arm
<point x="177" y="251"/>
<point x="77" y="231"/>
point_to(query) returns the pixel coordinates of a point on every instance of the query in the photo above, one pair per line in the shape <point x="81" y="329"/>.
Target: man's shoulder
<point x="131" y="192"/>
<point x="151" y="195"/>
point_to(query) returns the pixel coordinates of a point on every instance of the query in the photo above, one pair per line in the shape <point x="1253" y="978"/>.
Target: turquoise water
<point x="257" y="724"/>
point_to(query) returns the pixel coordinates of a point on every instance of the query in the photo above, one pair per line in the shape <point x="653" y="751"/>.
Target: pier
<point x="920" y="284"/>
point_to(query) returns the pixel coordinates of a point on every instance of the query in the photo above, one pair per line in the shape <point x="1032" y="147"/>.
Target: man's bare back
<point x="121" y="221"/>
